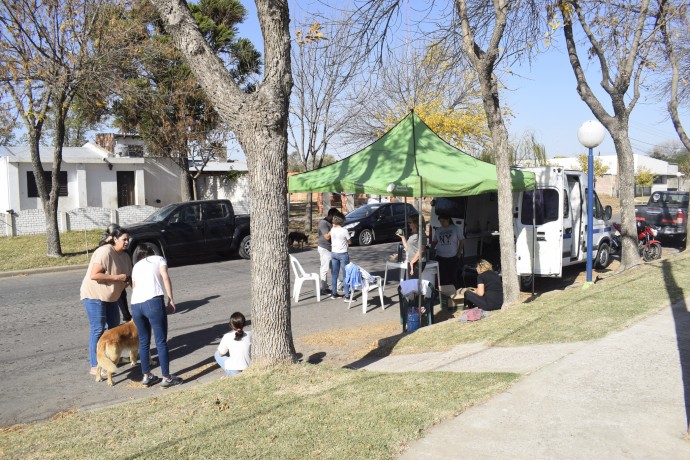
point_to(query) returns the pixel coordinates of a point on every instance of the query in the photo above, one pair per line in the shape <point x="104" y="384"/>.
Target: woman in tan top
<point x="108" y="274"/>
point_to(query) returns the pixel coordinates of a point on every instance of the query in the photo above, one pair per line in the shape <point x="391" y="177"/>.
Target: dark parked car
<point x="192" y="229"/>
<point x="669" y="212"/>
<point x="377" y="222"/>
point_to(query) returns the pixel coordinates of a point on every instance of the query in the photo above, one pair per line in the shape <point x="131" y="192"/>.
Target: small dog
<point x="112" y="344"/>
<point x="297" y="237"/>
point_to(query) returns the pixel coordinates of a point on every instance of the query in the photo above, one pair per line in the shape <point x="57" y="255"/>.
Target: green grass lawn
<point x="297" y="412"/>
<point x="28" y="252"/>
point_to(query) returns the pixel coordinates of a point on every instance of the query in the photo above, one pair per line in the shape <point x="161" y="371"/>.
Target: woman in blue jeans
<point x="340" y="239"/>
<point x="108" y="273"/>
<point x="150" y="281"/>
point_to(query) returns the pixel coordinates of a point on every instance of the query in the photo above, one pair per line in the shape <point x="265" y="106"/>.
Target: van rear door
<point x="543" y="208"/>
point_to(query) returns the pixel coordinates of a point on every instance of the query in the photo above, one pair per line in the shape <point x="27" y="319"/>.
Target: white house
<point x="666" y="175"/>
<point x="98" y="182"/>
<point x="89" y="177"/>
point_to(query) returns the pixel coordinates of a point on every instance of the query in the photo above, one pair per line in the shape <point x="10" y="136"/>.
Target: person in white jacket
<point x="237" y="345"/>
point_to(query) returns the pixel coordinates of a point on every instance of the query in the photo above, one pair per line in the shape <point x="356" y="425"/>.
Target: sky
<point x="544" y="100"/>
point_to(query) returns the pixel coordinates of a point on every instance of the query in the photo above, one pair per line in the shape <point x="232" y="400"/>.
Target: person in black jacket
<point x="489" y="293"/>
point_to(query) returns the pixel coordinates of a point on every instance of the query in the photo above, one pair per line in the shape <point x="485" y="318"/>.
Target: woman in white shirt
<point x="150" y="281"/>
<point x="237" y="345"/>
<point x="340" y="239"/>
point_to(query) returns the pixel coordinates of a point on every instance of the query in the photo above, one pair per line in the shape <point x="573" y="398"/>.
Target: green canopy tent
<point x="410" y="160"/>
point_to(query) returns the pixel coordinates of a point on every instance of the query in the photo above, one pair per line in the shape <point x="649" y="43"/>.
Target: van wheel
<point x="525" y="283"/>
<point x="141" y="249"/>
<point x="603" y="256"/>
<point x="366" y="237"/>
<point x="245" y="247"/>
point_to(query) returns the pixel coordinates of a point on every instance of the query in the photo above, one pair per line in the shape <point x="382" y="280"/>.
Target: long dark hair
<point x="107" y="237"/>
<point x="237" y="322"/>
<point x="117" y="233"/>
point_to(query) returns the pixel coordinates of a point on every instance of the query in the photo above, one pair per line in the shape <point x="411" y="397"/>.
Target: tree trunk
<point x="499" y="137"/>
<point x="185" y="185"/>
<point x="270" y="287"/>
<point x="48" y="198"/>
<point x="630" y="255"/>
<point x="260" y="122"/>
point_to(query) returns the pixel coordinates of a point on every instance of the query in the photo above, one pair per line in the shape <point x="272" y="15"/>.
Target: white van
<point x="557" y="228"/>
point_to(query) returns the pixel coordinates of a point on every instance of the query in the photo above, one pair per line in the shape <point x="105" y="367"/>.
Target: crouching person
<point x="489" y="293"/>
<point x="234" y="351"/>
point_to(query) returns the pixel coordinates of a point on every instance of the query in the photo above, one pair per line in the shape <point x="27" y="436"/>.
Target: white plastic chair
<point x="430" y="270"/>
<point x="369" y="283"/>
<point x="400" y="265"/>
<point x="301" y="276"/>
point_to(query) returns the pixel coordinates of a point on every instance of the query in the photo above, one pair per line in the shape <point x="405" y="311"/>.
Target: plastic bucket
<point x="412" y="321"/>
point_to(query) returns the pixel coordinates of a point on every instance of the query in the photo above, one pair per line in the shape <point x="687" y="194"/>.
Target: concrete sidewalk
<point x="624" y="396"/>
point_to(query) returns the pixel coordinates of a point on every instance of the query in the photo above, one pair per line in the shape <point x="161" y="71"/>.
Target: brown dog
<point x="112" y="344"/>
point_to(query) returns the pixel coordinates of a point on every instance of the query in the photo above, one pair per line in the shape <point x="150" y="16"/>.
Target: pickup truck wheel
<point x="603" y="256"/>
<point x="366" y="237"/>
<point x="141" y="248"/>
<point x="245" y="247"/>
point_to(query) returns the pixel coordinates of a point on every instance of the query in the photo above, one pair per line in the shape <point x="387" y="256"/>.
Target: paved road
<point x="44" y="331"/>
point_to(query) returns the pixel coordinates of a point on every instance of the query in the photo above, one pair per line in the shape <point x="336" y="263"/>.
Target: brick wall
<point x="32" y="221"/>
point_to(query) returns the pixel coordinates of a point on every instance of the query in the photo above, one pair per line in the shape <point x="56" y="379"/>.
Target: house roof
<point x="655" y="166"/>
<point x="88" y="153"/>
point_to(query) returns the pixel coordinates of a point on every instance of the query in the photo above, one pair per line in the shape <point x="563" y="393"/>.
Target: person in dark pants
<point x="122" y="301"/>
<point x="489" y="293"/>
<point x="449" y="244"/>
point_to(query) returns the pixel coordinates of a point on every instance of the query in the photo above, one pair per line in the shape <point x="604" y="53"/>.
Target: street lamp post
<point x="590" y="135"/>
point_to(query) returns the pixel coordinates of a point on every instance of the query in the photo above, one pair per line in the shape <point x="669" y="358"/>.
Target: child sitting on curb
<point x="237" y="345"/>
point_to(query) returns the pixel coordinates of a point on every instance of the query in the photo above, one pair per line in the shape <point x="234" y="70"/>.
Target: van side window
<point x="546" y="203"/>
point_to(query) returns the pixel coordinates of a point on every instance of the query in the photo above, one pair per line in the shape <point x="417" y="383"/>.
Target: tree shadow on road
<point x="185" y="307"/>
<point x="681" y="319"/>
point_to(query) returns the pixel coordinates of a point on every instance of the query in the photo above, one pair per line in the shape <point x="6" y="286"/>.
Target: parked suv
<point x="377" y="222"/>
<point x="192" y="229"/>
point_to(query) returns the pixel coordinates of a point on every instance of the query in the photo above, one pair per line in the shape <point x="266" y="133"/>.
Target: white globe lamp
<point x="591" y="134"/>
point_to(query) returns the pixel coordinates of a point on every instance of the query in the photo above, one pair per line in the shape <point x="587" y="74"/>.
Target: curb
<point x="33" y="271"/>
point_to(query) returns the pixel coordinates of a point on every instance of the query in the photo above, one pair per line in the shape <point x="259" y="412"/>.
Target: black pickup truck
<point x="668" y="211"/>
<point x="191" y="229"/>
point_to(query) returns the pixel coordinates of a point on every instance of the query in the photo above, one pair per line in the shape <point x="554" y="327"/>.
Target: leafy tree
<point x="49" y="49"/>
<point x="7" y="125"/>
<point x="644" y="177"/>
<point x="259" y="119"/>
<point x="620" y="37"/>
<point x="160" y="98"/>
<point x="599" y="167"/>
